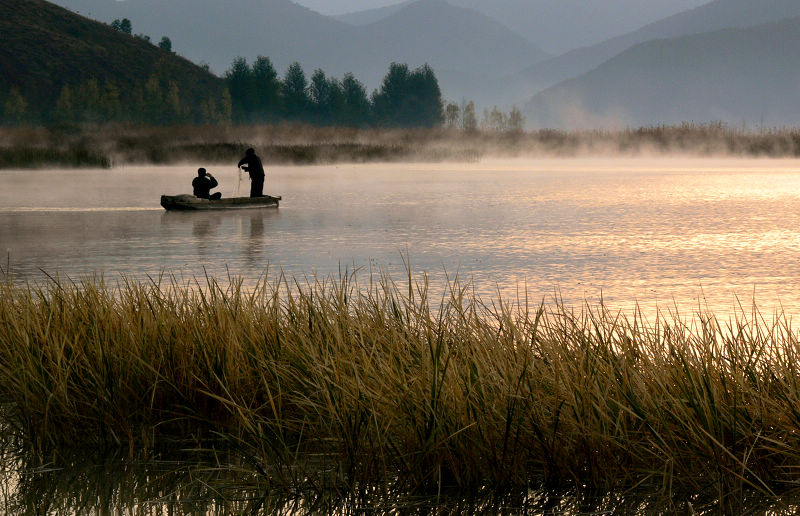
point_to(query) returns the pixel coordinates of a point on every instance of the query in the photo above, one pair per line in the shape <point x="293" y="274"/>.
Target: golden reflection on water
<point x="651" y="232"/>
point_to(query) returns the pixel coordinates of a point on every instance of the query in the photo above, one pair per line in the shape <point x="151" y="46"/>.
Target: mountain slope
<point x="560" y="25"/>
<point x="46" y="46"/>
<point x="718" y="14"/>
<point x="555" y="25"/>
<point x="371" y="15"/>
<point x="457" y="42"/>
<point x="453" y="38"/>
<point x="733" y="75"/>
<point x="216" y="31"/>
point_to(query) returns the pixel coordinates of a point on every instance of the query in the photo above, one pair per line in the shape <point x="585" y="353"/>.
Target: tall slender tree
<point x="165" y="44"/>
<point x="408" y="99"/>
<point x="357" y="111"/>
<point x="295" y="93"/>
<point x="425" y="98"/>
<point x="388" y="102"/>
<point x="242" y="87"/>
<point x="267" y="101"/>
<point x="16" y="106"/>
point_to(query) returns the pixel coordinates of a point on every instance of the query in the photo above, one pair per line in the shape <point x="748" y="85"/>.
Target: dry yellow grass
<point x="393" y="383"/>
<point x="115" y="144"/>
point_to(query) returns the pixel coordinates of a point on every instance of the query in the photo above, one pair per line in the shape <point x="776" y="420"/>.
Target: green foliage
<point x="296" y="98"/>
<point x="357" y="109"/>
<point x="469" y="121"/>
<point x="66" y="69"/>
<point x="267" y="102"/>
<point x="15" y="107"/>
<point x="165" y="44"/>
<point x="408" y="98"/>
<point x="327" y="99"/>
<point x="255" y="92"/>
<point x="516" y="122"/>
<point x="242" y="87"/>
<point x="452" y="115"/>
<point x="123" y="25"/>
<point x="499" y="122"/>
<point x="65" y="106"/>
<point x="69" y="69"/>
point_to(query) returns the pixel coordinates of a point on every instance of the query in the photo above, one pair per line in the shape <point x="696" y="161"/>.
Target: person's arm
<point x="213" y="182"/>
<point x="242" y="161"/>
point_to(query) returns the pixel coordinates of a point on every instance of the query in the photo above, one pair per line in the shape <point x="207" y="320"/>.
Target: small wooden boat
<point x="187" y="202"/>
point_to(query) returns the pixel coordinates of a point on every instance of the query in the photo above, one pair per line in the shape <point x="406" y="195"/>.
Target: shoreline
<point x="118" y="145"/>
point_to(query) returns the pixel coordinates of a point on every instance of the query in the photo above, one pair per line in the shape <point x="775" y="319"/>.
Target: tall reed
<point x="114" y="144"/>
<point x="393" y="382"/>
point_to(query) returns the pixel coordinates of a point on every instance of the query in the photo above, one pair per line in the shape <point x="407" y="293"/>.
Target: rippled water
<point x="657" y="232"/>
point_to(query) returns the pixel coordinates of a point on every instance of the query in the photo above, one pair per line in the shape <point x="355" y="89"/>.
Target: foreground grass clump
<point x="393" y="383"/>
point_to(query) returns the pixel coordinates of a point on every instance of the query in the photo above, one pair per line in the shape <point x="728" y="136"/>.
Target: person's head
<point x="201" y="172"/>
<point x="250" y="152"/>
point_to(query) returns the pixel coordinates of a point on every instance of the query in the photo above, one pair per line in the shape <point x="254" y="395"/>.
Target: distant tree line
<point x="463" y="117"/>
<point x="156" y="100"/>
<point x="254" y="94"/>
<point x="406" y="98"/>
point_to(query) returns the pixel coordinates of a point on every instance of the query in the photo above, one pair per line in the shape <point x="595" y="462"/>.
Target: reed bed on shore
<point x="116" y="144"/>
<point x="389" y="381"/>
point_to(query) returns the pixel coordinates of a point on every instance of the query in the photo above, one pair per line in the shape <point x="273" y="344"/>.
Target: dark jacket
<point x="253" y="165"/>
<point x="203" y="185"/>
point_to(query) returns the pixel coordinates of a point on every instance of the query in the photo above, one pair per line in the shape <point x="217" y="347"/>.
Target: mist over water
<point x="653" y="232"/>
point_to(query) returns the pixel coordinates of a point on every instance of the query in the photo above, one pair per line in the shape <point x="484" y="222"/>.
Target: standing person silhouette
<point x="252" y="164"/>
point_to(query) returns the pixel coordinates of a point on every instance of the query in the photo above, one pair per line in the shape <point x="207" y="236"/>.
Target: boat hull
<point x="192" y="203"/>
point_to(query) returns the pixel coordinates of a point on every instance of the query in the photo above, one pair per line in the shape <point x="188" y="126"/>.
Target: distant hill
<point x="217" y="31"/>
<point x="732" y="75"/>
<point x="554" y="25"/>
<point x="46" y="47"/>
<point x="452" y="38"/>
<point x="715" y="15"/>
<point x="456" y="42"/>
<point x="558" y="26"/>
<point x="368" y="16"/>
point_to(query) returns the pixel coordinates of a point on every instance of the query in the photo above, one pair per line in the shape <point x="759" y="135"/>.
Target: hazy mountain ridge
<point x="732" y="75"/>
<point x="371" y="15"/>
<point x="457" y="42"/>
<point x="554" y="25"/>
<point x="715" y="15"/>
<point x="558" y="26"/>
<point x="482" y="45"/>
<point x="215" y="31"/>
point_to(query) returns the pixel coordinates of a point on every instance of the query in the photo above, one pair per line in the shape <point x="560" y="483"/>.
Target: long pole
<point x="239" y="181"/>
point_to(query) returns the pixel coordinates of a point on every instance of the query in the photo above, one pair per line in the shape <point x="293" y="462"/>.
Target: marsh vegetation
<point x="393" y="382"/>
<point x="113" y="145"/>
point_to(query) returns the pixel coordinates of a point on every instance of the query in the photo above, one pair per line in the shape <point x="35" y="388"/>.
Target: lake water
<point x="657" y="232"/>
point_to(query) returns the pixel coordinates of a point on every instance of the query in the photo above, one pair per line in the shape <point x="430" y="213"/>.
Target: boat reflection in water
<point x="222" y="236"/>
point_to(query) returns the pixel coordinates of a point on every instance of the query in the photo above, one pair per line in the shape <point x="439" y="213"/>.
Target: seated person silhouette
<point x="202" y="185"/>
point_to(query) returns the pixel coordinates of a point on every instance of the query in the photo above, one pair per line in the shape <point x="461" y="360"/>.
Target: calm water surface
<point x="657" y="232"/>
